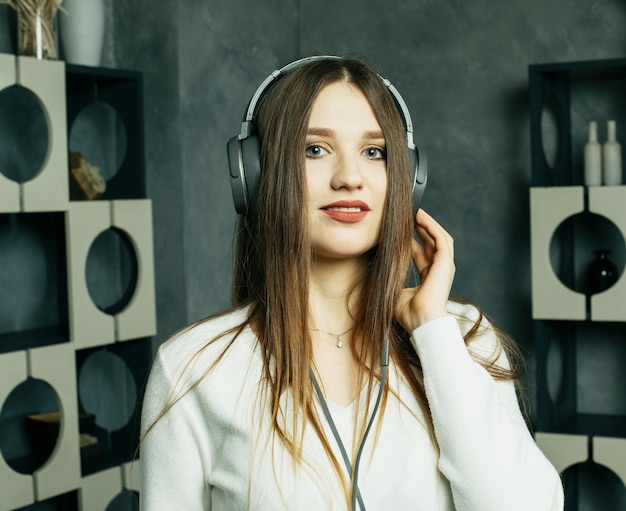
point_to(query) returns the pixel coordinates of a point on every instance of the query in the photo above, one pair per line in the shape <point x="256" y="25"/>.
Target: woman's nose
<point x="347" y="173"/>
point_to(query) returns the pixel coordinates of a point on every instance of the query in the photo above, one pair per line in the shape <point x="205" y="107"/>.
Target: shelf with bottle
<point x="564" y="98"/>
<point x="570" y="226"/>
<point x="579" y="315"/>
<point x="602" y="162"/>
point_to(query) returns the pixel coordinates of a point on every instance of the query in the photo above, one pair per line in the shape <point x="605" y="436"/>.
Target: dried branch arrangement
<point x="37" y="35"/>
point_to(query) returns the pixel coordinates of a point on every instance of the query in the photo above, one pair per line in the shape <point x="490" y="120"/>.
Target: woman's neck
<point x="333" y="291"/>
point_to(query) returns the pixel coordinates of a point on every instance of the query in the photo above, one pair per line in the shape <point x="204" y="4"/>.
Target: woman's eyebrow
<point x="327" y="132"/>
<point x="374" y="135"/>
<point x="322" y="132"/>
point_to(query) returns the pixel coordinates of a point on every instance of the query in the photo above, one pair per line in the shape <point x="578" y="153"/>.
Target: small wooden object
<point x="85" y="179"/>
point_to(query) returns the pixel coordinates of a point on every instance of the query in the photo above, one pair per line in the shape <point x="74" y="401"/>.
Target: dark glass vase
<point x="602" y="273"/>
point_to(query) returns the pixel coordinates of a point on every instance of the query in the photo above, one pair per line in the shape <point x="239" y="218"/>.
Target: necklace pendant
<point x="339" y="342"/>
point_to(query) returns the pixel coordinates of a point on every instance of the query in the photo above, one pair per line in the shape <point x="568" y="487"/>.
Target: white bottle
<point x="611" y="157"/>
<point x="593" y="157"/>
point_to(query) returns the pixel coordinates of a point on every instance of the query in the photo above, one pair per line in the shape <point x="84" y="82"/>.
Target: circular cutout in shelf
<point x="29" y="425"/>
<point x="107" y="389"/>
<point x="573" y="245"/>
<point x="598" y="487"/>
<point x="551" y="115"/>
<point x="555" y="369"/>
<point x="111" y="271"/>
<point x="99" y="134"/>
<point x="25" y="136"/>
<point x="127" y="500"/>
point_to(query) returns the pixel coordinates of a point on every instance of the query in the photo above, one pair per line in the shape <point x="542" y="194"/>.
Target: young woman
<point x="330" y="385"/>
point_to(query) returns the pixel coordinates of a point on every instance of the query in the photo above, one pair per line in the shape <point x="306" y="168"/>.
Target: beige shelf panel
<point x="89" y="326"/>
<point x="563" y="451"/>
<point x="98" y="490"/>
<point x="131" y="475"/>
<point x="611" y="453"/>
<point x="138" y="319"/>
<point x="48" y="191"/>
<point x="549" y="207"/>
<point x="85" y="221"/>
<point x="16" y="489"/>
<point x="61" y="472"/>
<point x="610" y="202"/>
<point x="9" y="190"/>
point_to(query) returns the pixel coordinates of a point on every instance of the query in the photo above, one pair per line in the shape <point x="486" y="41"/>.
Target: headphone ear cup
<point x="245" y="170"/>
<point x="419" y="168"/>
<point x="237" y="177"/>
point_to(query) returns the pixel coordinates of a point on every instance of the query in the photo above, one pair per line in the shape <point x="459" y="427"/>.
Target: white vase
<point x="82" y="31"/>
<point x="593" y="157"/>
<point x="611" y="157"/>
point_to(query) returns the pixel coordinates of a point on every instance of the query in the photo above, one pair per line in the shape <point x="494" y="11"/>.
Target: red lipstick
<point x="347" y="211"/>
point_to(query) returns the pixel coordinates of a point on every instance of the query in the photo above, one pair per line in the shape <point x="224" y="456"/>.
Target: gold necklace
<point x="339" y="342"/>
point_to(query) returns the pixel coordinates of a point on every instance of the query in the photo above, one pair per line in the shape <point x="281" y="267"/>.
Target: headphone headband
<point x="243" y="150"/>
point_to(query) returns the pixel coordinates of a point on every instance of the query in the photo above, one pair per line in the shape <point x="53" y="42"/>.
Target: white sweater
<point x="210" y="451"/>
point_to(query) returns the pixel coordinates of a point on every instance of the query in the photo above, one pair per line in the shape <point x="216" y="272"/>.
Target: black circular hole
<point x="29" y="425"/>
<point x="25" y="138"/>
<point x="99" y="134"/>
<point x="573" y="245"/>
<point x="111" y="271"/>
<point x="107" y="389"/>
<point x="127" y="500"/>
<point x="598" y="487"/>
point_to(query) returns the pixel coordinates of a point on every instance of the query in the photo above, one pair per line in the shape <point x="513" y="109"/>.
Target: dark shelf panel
<point x="34" y="338"/>
<point x="118" y="446"/>
<point x="122" y="90"/>
<point x="608" y="69"/>
<point x="33" y="277"/>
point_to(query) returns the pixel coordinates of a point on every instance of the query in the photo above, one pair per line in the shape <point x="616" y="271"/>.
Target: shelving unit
<point x="53" y="343"/>
<point x="568" y="221"/>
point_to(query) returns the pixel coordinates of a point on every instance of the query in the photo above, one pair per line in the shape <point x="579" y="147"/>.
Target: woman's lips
<point x="347" y="211"/>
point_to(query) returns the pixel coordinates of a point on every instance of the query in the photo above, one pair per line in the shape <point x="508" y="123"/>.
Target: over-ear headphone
<point x="244" y="149"/>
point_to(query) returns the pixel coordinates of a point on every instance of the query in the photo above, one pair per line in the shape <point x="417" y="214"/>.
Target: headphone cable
<point x="356" y="494"/>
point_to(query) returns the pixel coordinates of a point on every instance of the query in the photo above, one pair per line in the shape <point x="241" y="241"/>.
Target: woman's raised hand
<point x="434" y="260"/>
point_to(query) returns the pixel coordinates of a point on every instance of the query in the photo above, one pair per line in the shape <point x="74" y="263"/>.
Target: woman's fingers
<point x="434" y="259"/>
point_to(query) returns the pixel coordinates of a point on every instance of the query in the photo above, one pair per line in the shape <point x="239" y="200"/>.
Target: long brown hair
<point x="273" y="260"/>
<point x="273" y="254"/>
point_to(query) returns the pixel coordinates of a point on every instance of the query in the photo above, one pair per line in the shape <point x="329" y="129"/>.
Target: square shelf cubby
<point x="105" y="126"/>
<point x="33" y="277"/>
<point x="110" y="382"/>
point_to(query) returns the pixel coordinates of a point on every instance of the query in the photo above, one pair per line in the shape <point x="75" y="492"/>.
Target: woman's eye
<point x="315" y="151"/>
<point x="375" y="153"/>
